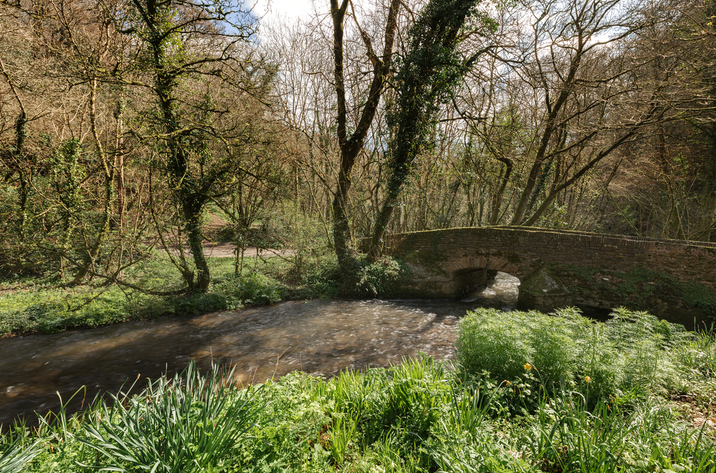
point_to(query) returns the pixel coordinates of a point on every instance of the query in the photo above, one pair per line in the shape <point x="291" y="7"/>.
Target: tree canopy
<point x="126" y="125"/>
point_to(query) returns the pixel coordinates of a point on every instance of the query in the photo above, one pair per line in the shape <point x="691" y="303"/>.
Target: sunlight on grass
<point x="35" y="306"/>
<point x="482" y="415"/>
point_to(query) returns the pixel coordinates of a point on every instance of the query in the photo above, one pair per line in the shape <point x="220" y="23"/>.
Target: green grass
<point x="30" y="305"/>
<point x="421" y="415"/>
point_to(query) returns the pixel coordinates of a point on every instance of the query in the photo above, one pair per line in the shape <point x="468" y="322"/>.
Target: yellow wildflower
<point x="528" y="366"/>
<point x="588" y="379"/>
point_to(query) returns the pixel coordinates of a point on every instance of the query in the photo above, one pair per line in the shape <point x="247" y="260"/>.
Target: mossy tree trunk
<point x="428" y="74"/>
<point x="166" y="27"/>
<point x="351" y="145"/>
<point x="17" y="162"/>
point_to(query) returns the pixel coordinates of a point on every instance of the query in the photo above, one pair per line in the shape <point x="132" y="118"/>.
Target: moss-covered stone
<point x="686" y="303"/>
<point x="543" y="291"/>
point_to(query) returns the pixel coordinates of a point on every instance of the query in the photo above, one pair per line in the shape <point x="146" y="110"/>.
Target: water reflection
<point x="317" y="336"/>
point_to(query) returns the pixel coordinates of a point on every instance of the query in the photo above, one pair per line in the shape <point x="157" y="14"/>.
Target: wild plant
<point x="356" y="393"/>
<point x="587" y="407"/>
<point x="58" y="435"/>
<point x="455" y="455"/>
<point x="490" y="341"/>
<point x="600" y="372"/>
<point x="252" y="288"/>
<point x="417" y="391"/>
<point x="17" y="452"/>
<point x="568" y="436"/>
<point x="555" y="345"/>
<point x="661" y="440"/>
<point x="697" y="355"/>
<point x="466" y="413"/>
<point x="342" y="432"/>
<point x="294" y="426"/>
<point x="521" y="354"/>
<point x="464" y="440"/>
<point x="568" y="351"/>
<point x="185" y="424"/>
<point x="646" y="344"/>
<point x="382" y="457"/>
<point x="408" y="409"/>
<point x="378" y="279"/>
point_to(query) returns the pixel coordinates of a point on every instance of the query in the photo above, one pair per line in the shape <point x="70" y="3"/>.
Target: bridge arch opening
<point x="488" y="286"/>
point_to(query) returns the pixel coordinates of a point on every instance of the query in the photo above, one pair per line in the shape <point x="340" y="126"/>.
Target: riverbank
<point x="319" y="337"/>
<point x="38" y="305"/>
<point x="557" y="394"/>
<point x="153" y="287"/>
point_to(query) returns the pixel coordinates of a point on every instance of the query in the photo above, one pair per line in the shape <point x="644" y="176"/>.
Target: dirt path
<point x="227" y="250"/>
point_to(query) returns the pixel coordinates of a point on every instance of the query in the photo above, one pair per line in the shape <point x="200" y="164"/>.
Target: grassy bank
<point x="37" y="305"/>
<point x="528" y="392"/>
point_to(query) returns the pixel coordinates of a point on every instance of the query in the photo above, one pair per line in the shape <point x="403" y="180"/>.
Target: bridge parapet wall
<point x="527" y="247"/>
<point x="439" y="258"/>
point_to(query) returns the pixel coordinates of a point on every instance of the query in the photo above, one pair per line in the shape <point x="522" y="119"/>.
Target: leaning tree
<point x="428" y="74"/>
<point x="193" y="52"/>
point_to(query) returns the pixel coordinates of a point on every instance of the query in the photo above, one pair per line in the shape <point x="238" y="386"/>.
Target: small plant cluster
<point x="378" y="279"/>
<point x="533" y="352"/>
<point x="366" y="279"/>
<point x="34" y="305"/>
<point x="551" y="394"/>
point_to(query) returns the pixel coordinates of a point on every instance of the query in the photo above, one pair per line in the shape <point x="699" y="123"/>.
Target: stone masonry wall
<point x="437" y="257"/>
<point x="527" y="248"/>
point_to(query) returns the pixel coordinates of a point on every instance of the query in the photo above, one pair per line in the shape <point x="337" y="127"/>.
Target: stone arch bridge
<point x="673" y="279"/>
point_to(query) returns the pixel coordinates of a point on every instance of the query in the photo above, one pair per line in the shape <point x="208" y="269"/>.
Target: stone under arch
<point x="468" y="281"/>
<point x="671" y="279"/>
<point x="456" y="276"/>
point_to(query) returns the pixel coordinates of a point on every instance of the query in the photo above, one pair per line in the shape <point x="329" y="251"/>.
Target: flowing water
<point x="318" y="337"/>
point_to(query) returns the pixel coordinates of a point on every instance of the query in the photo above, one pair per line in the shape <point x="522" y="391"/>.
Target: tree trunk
<point x="90" y="254"/>
<point x="20" y="134"/>
<point x="430" y="72"/>
<point x="351" y="146"/>
<point x="499" y="194"/>
<point x="190" y="195"/>
<point x="192" y="215"/>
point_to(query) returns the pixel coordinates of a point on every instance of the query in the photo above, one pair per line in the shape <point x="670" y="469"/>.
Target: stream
<point x="319" y="337"/>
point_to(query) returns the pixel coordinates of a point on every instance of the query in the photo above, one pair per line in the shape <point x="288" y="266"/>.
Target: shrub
<point x="249" y="289"/>
<point x="189" y="423"/>
<point x="377" y="279"/>
<point x="566" y="350"/>
<point x="322" y="281"/>
<point x="503" y="343"/>
<point x="489" y="341"/>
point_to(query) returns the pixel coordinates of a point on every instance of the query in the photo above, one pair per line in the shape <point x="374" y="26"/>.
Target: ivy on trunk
<point x="427" y="76"/>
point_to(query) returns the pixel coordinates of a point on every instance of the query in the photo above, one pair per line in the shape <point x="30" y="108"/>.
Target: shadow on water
<point x="318" y="337"/>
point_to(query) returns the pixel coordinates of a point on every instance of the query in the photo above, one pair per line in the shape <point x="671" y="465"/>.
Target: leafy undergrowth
<point x="35" y="305"/>
<point x="552" y="394"/>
